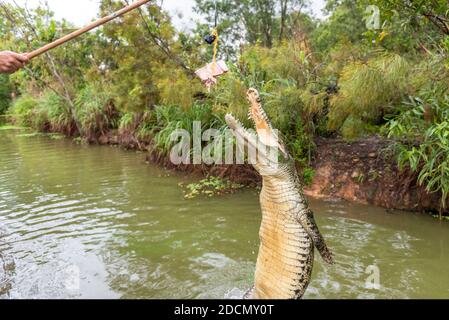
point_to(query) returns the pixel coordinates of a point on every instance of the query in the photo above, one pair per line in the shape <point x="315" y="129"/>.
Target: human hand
<point x="10" y="61"/>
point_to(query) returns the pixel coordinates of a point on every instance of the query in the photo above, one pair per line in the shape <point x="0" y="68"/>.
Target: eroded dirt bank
<point x="365" y="171"/>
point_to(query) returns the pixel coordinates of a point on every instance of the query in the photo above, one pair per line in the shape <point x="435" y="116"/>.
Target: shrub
<point x="308" y="174"/>
<point x="53" y="110"/>
<point x="230" y="97"/>
<point x="283" y="104"/>
<point x="171" y="118"/>
<point x="176" y="88"/>
<point x="5" y="93"/>
<point x="369" y="90"/>
<point x="354" y="128"/>
<point x="424" y="130"/>
<point x="23" y="110"/>
<point x="46" y="112"/>
<point x="95" y="111"/>
<point x="290" y="60"/>
<point x="126" y="122"/>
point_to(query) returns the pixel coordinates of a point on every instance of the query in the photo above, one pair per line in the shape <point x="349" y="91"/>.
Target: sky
<point x="82" y="12"/>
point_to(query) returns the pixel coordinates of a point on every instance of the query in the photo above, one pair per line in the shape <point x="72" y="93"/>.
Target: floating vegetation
<point x="56" y="136"/>
<point x="210" y="187"/>
<point x="53" y="136"/>
<point x="31" y="135"/>
<point x="10" y="127"/>
<point x="440" y="217"/>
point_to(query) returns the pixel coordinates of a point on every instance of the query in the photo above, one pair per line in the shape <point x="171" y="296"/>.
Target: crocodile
<point x="288" y="232"/>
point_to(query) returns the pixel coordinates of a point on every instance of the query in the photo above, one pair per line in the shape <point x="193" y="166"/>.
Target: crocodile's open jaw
<point x="263" y="126"/>
<point x="266" y="134"/>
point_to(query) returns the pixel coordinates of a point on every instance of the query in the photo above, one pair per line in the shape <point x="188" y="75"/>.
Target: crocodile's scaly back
<point x="288" y="232"/>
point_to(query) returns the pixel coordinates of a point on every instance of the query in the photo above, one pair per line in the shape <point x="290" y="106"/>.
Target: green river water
<point x="98" y="222"/>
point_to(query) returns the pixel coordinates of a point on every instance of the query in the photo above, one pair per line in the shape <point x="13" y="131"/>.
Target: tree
<point x="136" y="53"/>
<point x="60" y="71"/>
<point x="5" y="85"/>
<point x="251" y="21"/>
<point x="418" y="13"/>
<point x="5" y="93"/>
<point x="345" y="24"/>
<point x="290" y="11"/>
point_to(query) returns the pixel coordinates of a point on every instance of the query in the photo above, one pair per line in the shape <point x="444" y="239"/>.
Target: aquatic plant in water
<point x="210" y="187"/>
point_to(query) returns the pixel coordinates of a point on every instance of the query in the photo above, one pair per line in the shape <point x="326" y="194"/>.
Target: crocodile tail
<point x="308" y="222"/>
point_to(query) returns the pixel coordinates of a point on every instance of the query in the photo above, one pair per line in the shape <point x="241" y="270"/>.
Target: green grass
<point x="367" y="92"/>
<point x="94" y="110"/>
<point x="22" y="110"/>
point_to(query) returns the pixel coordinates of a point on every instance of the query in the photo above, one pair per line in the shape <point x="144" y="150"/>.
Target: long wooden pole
<point x="87" y="28"/>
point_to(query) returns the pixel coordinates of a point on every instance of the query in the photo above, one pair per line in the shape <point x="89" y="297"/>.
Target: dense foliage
<point x="5" y="93"/>
<point x="343" y="76"/>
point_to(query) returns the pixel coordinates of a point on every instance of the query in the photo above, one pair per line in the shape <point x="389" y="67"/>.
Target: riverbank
<point x="364" y="171"/>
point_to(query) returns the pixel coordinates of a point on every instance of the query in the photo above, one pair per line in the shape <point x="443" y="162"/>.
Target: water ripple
<point x="96" y="222"/>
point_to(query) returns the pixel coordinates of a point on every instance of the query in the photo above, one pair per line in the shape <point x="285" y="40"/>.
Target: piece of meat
<point x="211" y="71"/>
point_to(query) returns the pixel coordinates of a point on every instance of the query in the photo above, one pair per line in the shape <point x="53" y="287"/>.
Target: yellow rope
<point x="215" y="33"/>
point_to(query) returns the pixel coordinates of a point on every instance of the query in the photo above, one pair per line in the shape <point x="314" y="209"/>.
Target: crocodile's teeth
<point x="230" y="120"/>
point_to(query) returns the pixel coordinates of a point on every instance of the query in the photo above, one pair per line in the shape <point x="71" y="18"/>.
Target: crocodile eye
<point x="252" y="92"/>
